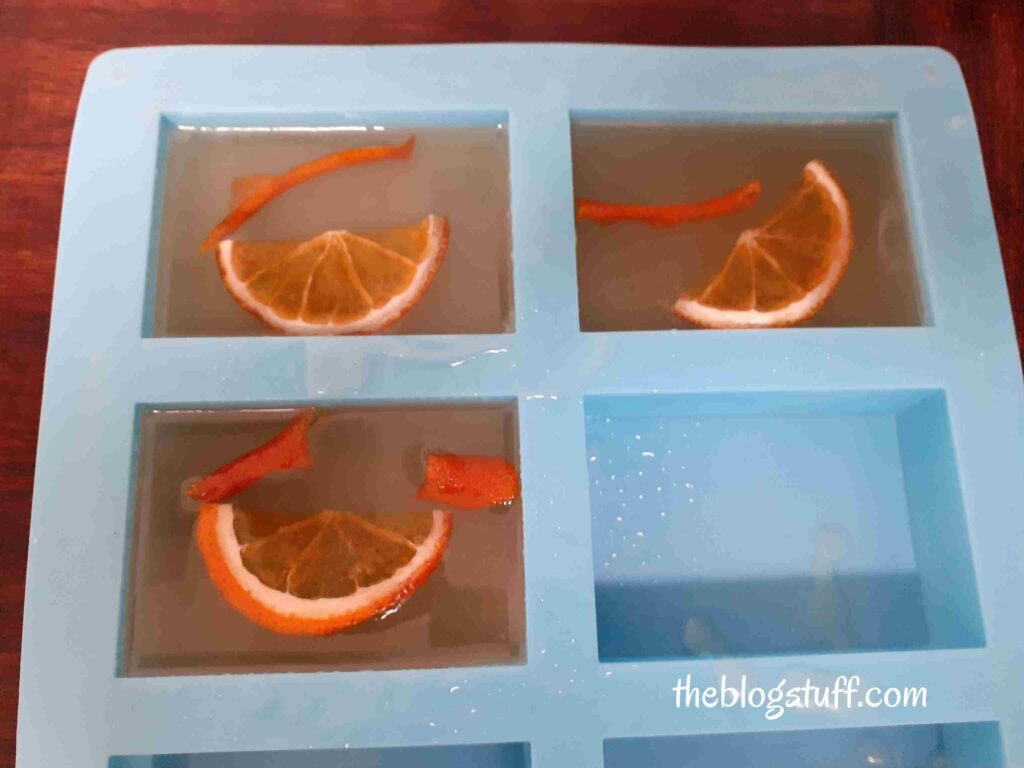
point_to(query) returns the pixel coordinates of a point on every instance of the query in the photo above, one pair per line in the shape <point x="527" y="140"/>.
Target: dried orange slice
<point x="782" y="272"/>
<point x="337" y="283"/>
<point x="320" y="574"/>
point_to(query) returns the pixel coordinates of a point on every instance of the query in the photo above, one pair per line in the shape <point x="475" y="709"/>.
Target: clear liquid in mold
<point x="469" y="612"/>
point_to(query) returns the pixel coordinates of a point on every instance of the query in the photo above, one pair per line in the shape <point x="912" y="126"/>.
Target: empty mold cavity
<point x="477" y="755"/>
<point x="951" y="745"/>
<point x="630" y="274"/>
<point x="767" y="523"/>
<point x="367" y="459"/>
<point x="458" y="169"/>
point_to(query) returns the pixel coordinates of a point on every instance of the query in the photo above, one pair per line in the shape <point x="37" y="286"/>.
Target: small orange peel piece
<point x="272" y="186"/>
<point x="669" y="215"/>
<point x="318" y="575"/>
<point x="469" y="482"/>
<point x="289" y="449"/>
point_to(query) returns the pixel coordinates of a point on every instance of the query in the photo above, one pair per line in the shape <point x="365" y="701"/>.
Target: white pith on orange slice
<point x="339" y="282"/>
<point x="320" y="574"/>
<point x="782" y="272"/>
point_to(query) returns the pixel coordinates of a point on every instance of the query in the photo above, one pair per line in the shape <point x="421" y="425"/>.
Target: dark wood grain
<point x="47" y="46"/>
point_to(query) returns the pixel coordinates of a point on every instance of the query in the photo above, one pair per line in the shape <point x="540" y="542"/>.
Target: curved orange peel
<point x="277" y="185"/>
<point x="669" y="215"/>
<point x="289" y="449"/>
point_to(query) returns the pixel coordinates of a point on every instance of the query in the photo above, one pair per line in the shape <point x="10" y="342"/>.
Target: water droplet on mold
<point x="875" y="752"/>
<point x="702" y="638"/>
<point x="829" y="607"/>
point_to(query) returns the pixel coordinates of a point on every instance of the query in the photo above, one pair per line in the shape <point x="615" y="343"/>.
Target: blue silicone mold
<point x="846" y="501"/>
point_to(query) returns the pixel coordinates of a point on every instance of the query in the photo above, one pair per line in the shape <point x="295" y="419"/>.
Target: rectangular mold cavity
<point x="458" y="169"/>
<point x="476" y="755"/>
<point x="631" y="274"/>
<point x="367" y="459"/>
<point x="948" y="745"/>
<point x="769" y="523"/>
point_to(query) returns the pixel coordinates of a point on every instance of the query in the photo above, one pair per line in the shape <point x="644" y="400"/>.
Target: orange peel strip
<point x="469" y="482"/>
<point x="669" y="215"/>
<point x="288" y="450"/>
<point x="276" y="185"/>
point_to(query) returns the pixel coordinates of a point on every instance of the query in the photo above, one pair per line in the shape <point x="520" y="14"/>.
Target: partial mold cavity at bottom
<point x="464" y="601"/>
<point x="951" y="745"/>
<point x="477" y="755"/>
<point x="761" y="523"/>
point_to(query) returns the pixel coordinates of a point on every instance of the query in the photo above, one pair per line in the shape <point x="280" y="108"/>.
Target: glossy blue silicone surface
<point x="929" y="416"/>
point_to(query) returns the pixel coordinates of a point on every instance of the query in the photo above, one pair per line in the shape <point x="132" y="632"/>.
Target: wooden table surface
<point x="47" y="45"/>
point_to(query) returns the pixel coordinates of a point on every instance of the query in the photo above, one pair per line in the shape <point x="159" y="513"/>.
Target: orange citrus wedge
<point x="338" y="282"/>
<point x="320" y="574"/>
<point x="782" y="272"/>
